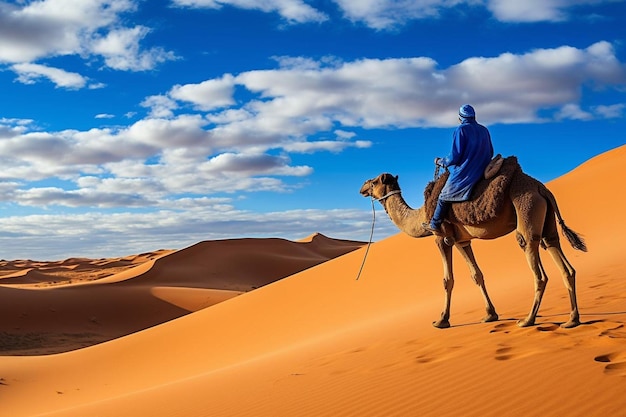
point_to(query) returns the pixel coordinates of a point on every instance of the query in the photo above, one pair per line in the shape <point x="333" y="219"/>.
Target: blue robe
<point x="471" y="152"/>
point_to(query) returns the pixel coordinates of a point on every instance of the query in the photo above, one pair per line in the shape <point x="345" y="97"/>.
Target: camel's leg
<point x="569" y="278"/>
<point x="531" y="249"/>
<point x="448" y="282"/>
<point x="531" y="209"/>
<point x="468" y="254"/>
<point x="552" y="243"/>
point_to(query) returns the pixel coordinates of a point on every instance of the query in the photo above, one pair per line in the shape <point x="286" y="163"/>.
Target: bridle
<point x="389" y="194"/>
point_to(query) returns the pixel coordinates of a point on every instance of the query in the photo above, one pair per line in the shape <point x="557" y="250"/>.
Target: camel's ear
<point x="388" y="178"/>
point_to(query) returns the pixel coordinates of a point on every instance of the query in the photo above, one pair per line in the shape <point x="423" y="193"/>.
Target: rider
<point x="471" y="152"/>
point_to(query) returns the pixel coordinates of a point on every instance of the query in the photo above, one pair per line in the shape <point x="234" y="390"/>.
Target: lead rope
<point x="369" y="243"/>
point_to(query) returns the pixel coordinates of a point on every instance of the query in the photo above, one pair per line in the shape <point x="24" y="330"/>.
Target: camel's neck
<point x="408" y="220"/>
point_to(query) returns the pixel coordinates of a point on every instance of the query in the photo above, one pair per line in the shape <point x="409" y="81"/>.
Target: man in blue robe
<point x="471" y="152"/>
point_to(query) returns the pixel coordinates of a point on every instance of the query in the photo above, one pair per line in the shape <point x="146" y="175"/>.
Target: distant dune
<point x="54" y="307"/>
<point x="269" y="327"/>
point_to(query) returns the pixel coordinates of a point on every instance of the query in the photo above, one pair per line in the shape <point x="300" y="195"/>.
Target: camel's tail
<point x="573" y="238"/>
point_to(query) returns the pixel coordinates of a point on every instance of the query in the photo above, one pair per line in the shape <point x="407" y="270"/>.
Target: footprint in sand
<point x="548" y="327"/>
<point x="598" y="285"/>
<point x="616" y="331"/>
<point x="423" y="359"/>
<point x="504" y="353"/>
<point x="503" y="327"/>
<point x="616" y="363"/>
<point x="506" y="327"/>
<point x="430" y="355"/>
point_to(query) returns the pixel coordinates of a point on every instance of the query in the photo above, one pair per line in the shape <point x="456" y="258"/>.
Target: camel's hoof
<point x="441" y="324"/>
<point x="490" y="317"/>
<point x="525" y="323"/>
<point x="570" y="324"/>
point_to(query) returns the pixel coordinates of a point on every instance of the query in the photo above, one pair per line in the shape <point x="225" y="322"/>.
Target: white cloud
<point x="160" y="106"/>
<point x="528" y="10"/>
<point x="323" y="145"/>
<point x="513" y="88"/>
<point x="31" y="73"/>
<point x="387" y="14"/>
<point x="11" y="127"/>
<point x="613" y="111"/>
<point x="296" y="102"/>
<point x="208" y="95"/>
<point x="252" y="164"/>
<point x="50" y="196"/>
<point x="306" y="63"/>
<point x="294" y="11"/>
<point x="52" y="27"/>
<point x="344" y="135"/>
<point x="87" y="28"/>
<point x="121" y="50"/>
<point x="390" y="14"/>
<point x="96" y="86"/>
<point x="185" y="131"/>
<point x="573" y="112"/>
<point x="536" y="10"/>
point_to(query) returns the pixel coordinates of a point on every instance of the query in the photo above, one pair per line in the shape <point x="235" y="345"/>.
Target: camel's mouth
<point x="366" y="189"/>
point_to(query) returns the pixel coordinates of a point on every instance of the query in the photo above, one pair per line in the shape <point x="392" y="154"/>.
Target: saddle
<point x="487" y="198"/>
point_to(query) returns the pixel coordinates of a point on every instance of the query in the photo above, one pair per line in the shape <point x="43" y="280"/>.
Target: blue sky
<point x="128" y="126"/>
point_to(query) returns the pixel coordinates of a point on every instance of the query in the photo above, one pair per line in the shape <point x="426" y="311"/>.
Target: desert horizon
<point x="274" y="327"/>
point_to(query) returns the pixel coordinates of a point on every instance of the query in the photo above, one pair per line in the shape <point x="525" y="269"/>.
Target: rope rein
<point x="369" y="243"/>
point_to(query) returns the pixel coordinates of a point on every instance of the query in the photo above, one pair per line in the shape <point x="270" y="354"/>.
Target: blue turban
<point x="467" y="111"/>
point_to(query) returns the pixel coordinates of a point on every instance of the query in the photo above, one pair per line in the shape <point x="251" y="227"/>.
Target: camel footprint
<point x="614" y="331"/>
<point x="504" y="327"/>
<point x="616" y="363"/>
<point x="504" y="353"/>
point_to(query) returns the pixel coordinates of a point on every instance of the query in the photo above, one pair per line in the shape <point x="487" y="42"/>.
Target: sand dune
<point x="238" y="264"/>
<point x="54" y="307"/>
<point x="320" y="343"/>
<point x="68" y="271"/>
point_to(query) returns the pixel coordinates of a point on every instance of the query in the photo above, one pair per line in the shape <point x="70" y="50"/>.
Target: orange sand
<point x="318" y="342"/>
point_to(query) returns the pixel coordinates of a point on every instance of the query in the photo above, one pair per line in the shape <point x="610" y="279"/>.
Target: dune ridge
<point x="320" y="343"/>
<point x="238" y="264"/>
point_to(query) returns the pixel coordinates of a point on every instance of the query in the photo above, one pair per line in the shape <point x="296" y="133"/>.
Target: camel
<point x="529" y="209"/>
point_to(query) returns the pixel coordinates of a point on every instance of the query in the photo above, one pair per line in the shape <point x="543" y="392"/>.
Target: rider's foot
<point x="436" y="230"/>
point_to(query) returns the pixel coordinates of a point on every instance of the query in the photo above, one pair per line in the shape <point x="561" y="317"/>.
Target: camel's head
<point x="380" y="186"/>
